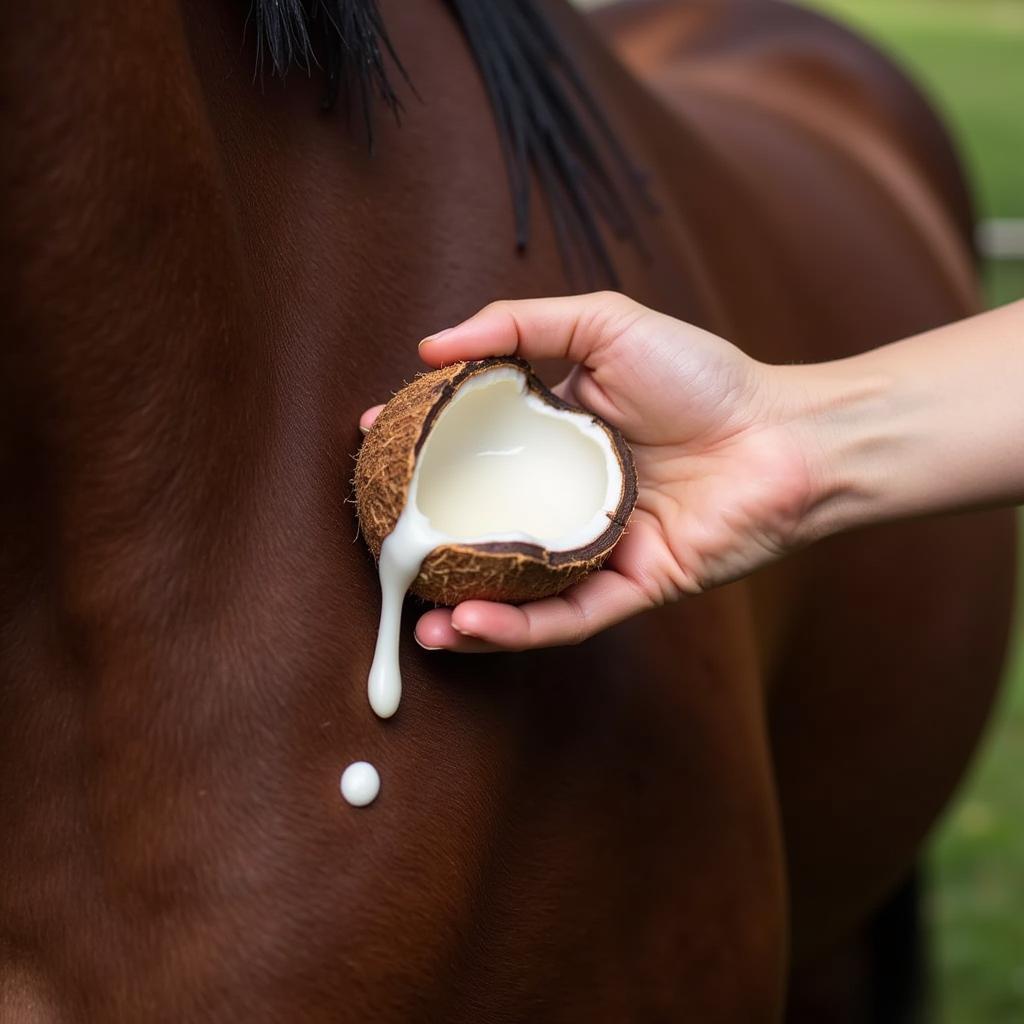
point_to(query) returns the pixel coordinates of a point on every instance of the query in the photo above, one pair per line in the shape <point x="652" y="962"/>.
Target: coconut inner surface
<point x="502" y="464"/>
<point x="499" y="464"/>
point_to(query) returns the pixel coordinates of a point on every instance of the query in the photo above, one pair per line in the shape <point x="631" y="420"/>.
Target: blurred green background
<point x="969" y="56"/>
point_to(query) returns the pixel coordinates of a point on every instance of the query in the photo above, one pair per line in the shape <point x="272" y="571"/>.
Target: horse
<point x="205" y="281"/>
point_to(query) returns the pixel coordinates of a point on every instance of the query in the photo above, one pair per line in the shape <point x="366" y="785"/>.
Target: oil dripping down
<point x="401" y="556"/>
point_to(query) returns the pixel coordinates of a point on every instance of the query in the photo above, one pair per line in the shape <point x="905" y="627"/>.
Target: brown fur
<point x="203" y="284"/>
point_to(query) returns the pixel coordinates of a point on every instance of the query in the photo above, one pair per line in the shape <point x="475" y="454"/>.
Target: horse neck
<point x="183" y="388"/>
<point x="132" y="436"/>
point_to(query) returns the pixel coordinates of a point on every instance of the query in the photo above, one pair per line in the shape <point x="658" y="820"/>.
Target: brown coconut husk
<point x="511" y="572"/>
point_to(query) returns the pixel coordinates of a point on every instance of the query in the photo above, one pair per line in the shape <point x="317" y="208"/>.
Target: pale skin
<point x="740" y="462"/>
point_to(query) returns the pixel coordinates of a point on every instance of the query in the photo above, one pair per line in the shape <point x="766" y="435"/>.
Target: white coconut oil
<point x="500" y="464"/>
<point x="401" y="556"/>
<point x="360" y="783"/>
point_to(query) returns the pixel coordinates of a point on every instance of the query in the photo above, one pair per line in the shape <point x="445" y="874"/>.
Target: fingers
<point x="600" y="601"/>
<point x="434" y="632"/>
<point x="573" y="327"/>
<point x="366" y="420"/>
<point x="369" y="417"/>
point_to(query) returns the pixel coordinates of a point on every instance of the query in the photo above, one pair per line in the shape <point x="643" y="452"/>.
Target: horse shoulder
<point x="771" y="47"/>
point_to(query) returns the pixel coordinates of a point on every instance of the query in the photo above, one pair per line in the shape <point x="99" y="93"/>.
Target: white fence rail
<point x="1001" y="239"/>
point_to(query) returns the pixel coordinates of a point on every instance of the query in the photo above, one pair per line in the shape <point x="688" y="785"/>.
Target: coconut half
<point x="520" y="493"/>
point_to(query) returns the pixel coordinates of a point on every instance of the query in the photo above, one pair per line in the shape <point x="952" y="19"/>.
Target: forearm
<point x="931" y="424"/>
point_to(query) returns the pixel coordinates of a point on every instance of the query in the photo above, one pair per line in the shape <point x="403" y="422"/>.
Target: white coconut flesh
<point x="499" y="465"/>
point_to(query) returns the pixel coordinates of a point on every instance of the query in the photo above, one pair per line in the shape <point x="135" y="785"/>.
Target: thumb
<point x="575" y="327"/>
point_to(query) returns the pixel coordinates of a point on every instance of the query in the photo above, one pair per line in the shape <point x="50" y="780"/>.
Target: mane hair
<point x="345" y="38"/>
<point x="548" y="121"/>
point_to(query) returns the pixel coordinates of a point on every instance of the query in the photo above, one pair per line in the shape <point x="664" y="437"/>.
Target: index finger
<point x="574" y="327"/>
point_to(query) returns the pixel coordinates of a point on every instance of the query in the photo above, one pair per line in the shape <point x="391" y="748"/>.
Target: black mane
<point x="547" y="118"/>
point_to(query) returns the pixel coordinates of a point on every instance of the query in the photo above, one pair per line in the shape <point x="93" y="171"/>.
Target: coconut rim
<point x="617" y="447"/>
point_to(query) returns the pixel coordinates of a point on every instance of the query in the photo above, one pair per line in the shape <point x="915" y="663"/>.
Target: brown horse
<point x="203" y="285"/>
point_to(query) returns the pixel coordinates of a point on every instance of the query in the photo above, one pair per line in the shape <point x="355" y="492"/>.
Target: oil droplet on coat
<point x="360" y="783"/>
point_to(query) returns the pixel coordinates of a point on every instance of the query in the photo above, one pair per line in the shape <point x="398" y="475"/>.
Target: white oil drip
<point x="500" y="464"/>
<point x="401" y="556"/>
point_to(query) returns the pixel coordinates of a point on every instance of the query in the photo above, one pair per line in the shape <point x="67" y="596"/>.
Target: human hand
<point x="724" y="479"/>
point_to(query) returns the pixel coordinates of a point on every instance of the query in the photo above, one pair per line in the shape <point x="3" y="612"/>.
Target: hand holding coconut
<point x="738" y="462"/>
<point x="720" y="486"/>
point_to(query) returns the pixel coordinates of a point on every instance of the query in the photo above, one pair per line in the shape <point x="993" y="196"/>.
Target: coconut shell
<point x="511" y="572"/>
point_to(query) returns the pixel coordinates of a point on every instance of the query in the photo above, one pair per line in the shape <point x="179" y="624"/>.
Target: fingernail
<point x="436" y="337"/>
<point x="426" y="647"/>
<point x="465" y="632"/>
<point x="365" y="430"/>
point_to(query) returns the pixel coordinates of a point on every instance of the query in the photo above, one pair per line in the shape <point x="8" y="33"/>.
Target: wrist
<point x="840" y="415"/>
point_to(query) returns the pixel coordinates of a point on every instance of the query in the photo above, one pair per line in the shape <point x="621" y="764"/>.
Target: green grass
<point x="978" y="872"/>
<point x="1004" y="280"/>
<point x="969" y="55"/>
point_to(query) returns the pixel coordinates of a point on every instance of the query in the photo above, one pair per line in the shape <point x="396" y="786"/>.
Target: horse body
<point x="204" y="286"/>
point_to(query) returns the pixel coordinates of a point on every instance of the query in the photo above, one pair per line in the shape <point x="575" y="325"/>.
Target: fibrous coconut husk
<point x="494" y="571"/>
